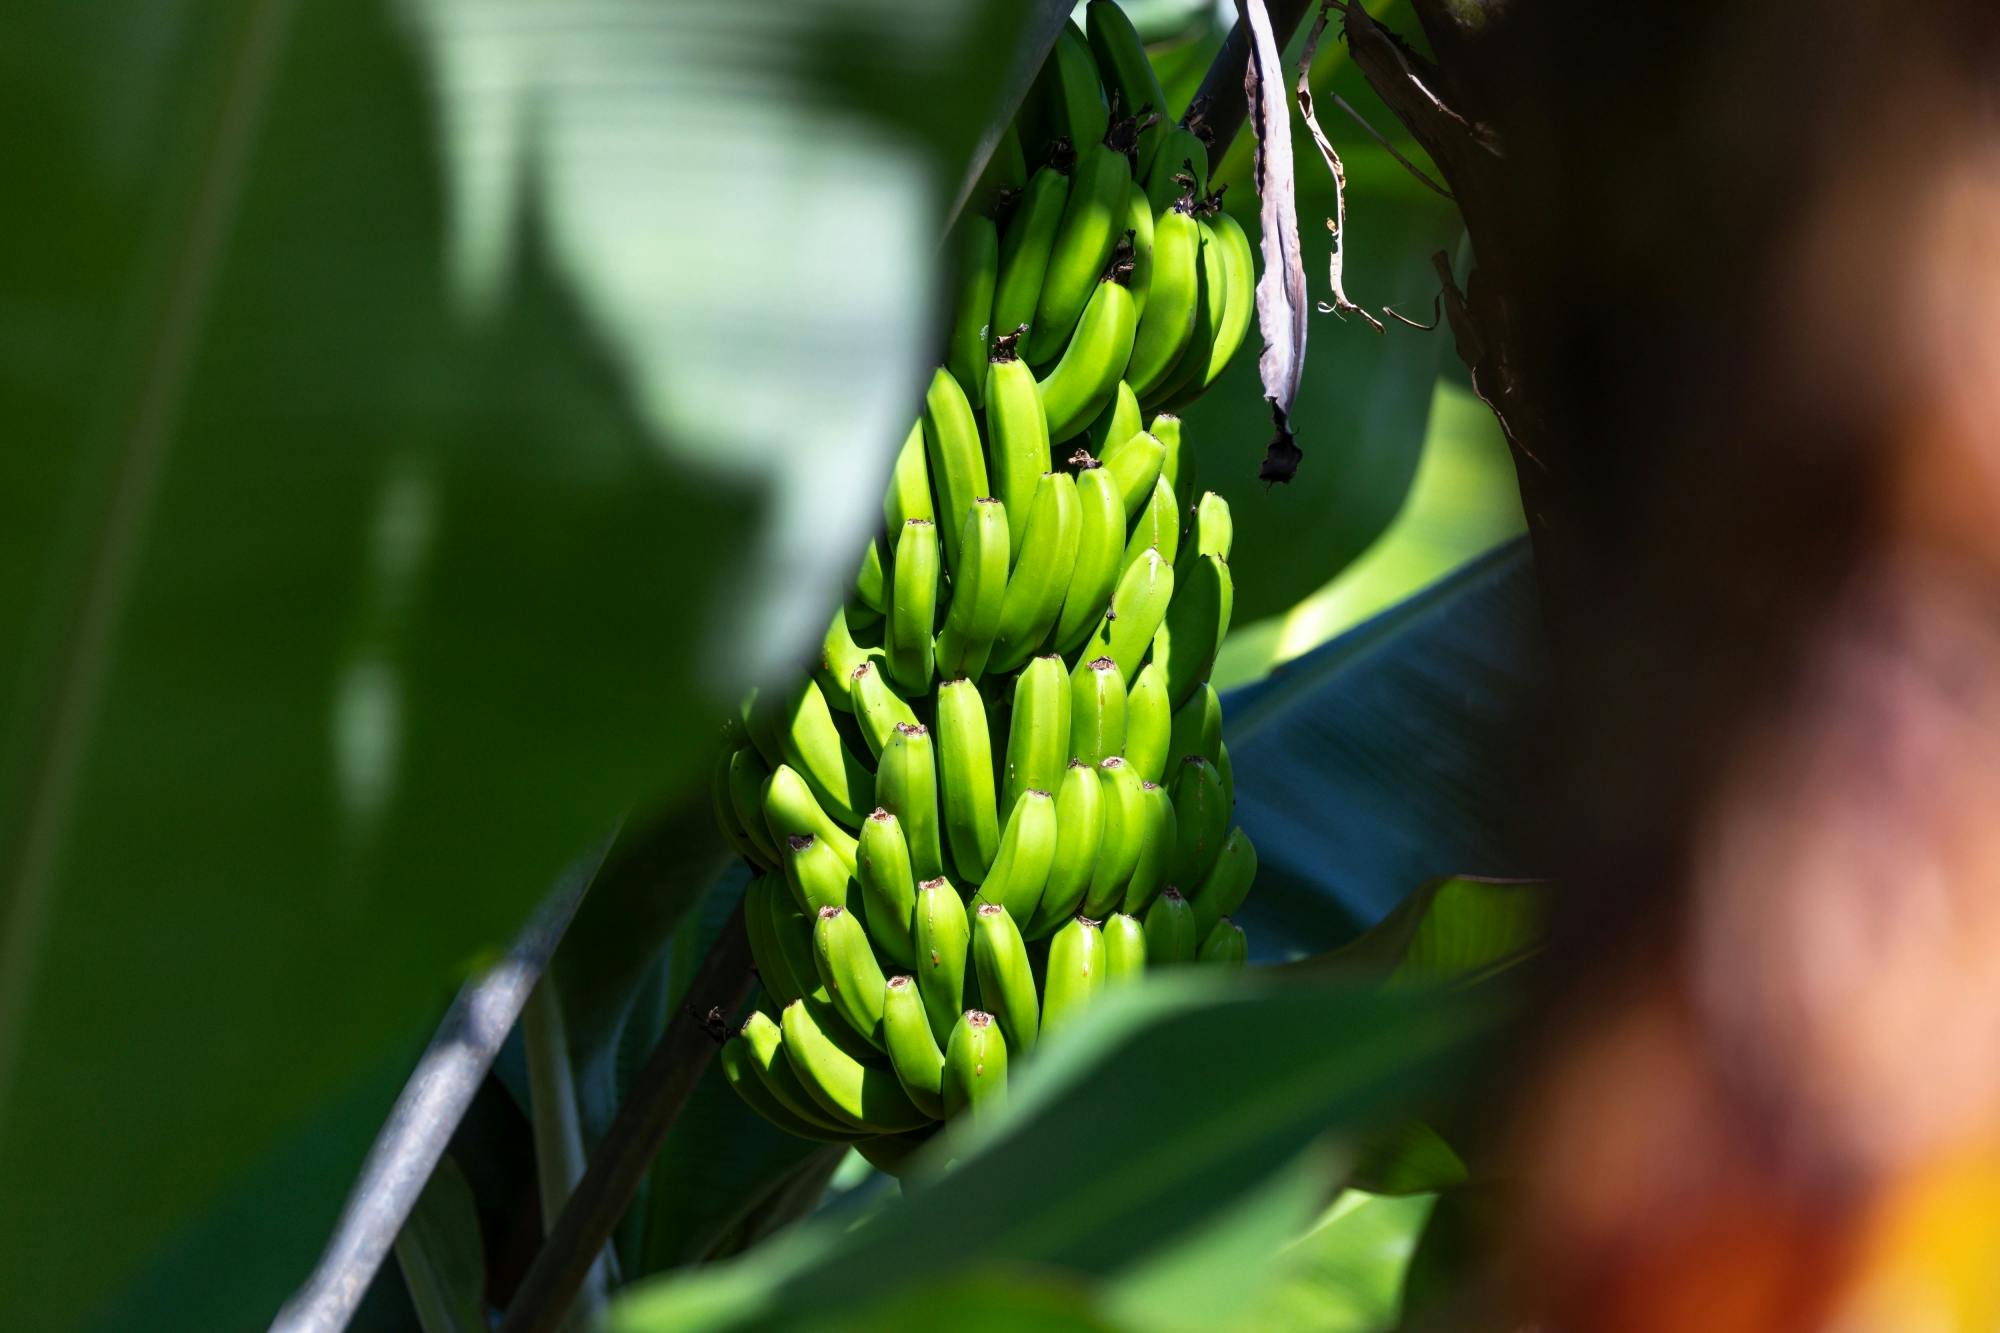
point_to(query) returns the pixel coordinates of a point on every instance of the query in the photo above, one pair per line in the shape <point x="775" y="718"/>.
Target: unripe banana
<point x="1126" y="824"/>
<point x="774" y="967"/>
<point x="972" y="305"/>
<point x="758" y="718"/>
<point x="1156" y="849"/>
<point x="965" y="772"/>
<point x="1024" y="249"/>
<point x="839" y="655"/>
<point x="848" y="969"/>
<point x="739" y="1070"/>
<point x="1184" y="647"/>
<point x="1100" y="545"/>
<point x="1129" y="78"/>
<point x="907" y="786"/>
<point x="855" y="1094"/>
<point x="978" y="592"/>
<point x="817" y="875"/>
<point x="1134" y="465"/>
<point x="1075" y="972"/>
<point x="1124" y="948"/>
<point x="1019" y="435"/>
<point x="1197" y="726"/>
<point x="1158" y="529"/>
<point x="1096" y="710"/>
<point x="764" y="1045"/>
<point x="975" y="1065"/>
<point x="1179" y="170"/>
<point x="1149" y="721"/>
<point x="1139" y="227"/>
<point x="811" y="743"/>
<point x="1093" y="221"/>
<point x="1086" y="378"/>
<point x="1006" y="981"/>
<point x="909" y="486"/>
<point x="877" y="708"/>
<point x="791" y="935"/>
<point x="732" y="827"/>
<point x="790" y="810"/>
<point x="1027" y="848"/>
<point x="1184" y="381"/>
<point x="871" y="581"/>
<point x="1042" y="575"/>
<point x="1137" y="607"/>
<point x="1201" y="821"/>
<point x="1227" y="884"/>
<point x="943" y="938"/>
<point x="1038" y="739"/>
<point x="1177" y="465"/>
<point x="1225" y="945"/>
<point x="1169" y="929"/>
<point x="1003" y="175"/>
<point x="1173" y="295"/>
<point x="891" y="1154"/>
<point x="1080" y="805"/>
<point x="1213" y="532"/>
<point x="1120" y="420"/>
<point x="1241" y="264"/>
<point x="957" y="459"/>
<point x="1068" y="93"/>
<point x="913" y="1049"/>
<point x="1226" y="772"/>
<point x="888" y="886"/>
<point x="747" y="779"/>
<point x="906" y="641"/>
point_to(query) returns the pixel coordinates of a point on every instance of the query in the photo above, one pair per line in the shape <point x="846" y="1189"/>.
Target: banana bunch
<point x="1003" y="788"/>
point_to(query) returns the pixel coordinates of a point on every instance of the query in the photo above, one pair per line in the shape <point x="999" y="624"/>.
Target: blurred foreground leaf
<point x="439" y="1253"/>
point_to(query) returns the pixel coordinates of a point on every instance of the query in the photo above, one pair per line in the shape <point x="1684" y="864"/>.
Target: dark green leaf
<point x="1346" y="1274"/>
<point x="439" y="1252"/>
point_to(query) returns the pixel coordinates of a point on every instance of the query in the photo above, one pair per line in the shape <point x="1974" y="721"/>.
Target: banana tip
<point x="830" y="911"/>
<point x="799" y="842"/>
<point x="977" y="1018"/>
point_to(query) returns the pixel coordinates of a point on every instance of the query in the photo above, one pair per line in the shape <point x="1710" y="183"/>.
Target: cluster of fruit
<point x="1040" y="579"/>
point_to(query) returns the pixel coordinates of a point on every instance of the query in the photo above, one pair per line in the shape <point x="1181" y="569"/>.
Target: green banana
<point x="1184" y="647"/>
<point x="1169" y="929"/>
<point x="913" y="588"/>
<point x="1177" y="464"/>
<point x="957" y="460"/>
<point x="739" y="1070"/>
<point x="1134" y="465"/>
<point x="1122" y="843"/>
<point x="1096" y="710"/>
<point x="975" y="1065"/>
<point x="747" y="779"/>
<point x="1035" y="589"/>
<point x="871" y="581"/>
<point x="1128" y="77"/>
<point x="1120" y="420"/>
<point x="1005" y="172"/>
<point x="1068" y="92"/>
<point x="811" y="744"/>
<point x="1019" y="436"/>
<point x="791" y="937"/>
<point x="1139" y="226"/>
<point x="906" y="783"/>
<point x="1180" y="170"/>
<point x="1080" y="805"/>
<point x="1100" y="544"/>
<point x="1214" y="528"/>
<point x="774" y="966"/>
<point x="943" y="938"/>
<point x="1173" y="294"/>
<point x="888" y="886"/>
<point x="978" y="268"/>
<point x="764" y="1045"/>
<point x="1038" y="738"/>
<point x="1149" y="720"/>
<point x="1093" y="222"/>
<point x="839" y="656"/>
<point x="1075" y="972"/>
<point x="1241" y="264"/>
<point x="1225" y="945"/>
<point x="1227" y="883"/>
<point x="1086" y="377"/>
<point x="1027" y="847"/>
<point x="1156" y="849"/>
<point x="1226" y="772"/>
<point x="978" y="592"/>
<point x="877" y="708"/>
<point x="913" y="1049"/>
<point x="909" y="486"/>
<point x="758" y="720"/>
<point x="1124" y="948"/>
<point x="855" y="1094"/>
<point x="1006" y="981"/>
<point x="1201" y="821"/>
<point x="848" y="969"/>
<point x="1197" y="726"/>
<point x="733" y="828"/>
<point x="965" y="770"/>
<point x="1024" y="250"/>
<point x="790" y="810"/>
<point x="1184" y="380"/>
<point x="817" y="875"/>
<point x="1158" y="529"/>
<point x="1137" y="607"/>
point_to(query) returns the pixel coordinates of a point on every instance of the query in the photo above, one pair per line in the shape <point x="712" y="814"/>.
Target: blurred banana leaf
<point x="1179" y="1101"/>
<point x="420" y="403"/>
<point x="1345" y="1274"/>
<point x="439" y="1253"/>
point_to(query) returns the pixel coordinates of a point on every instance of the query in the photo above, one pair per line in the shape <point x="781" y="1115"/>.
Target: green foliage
<point x="438" y="1251"/>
